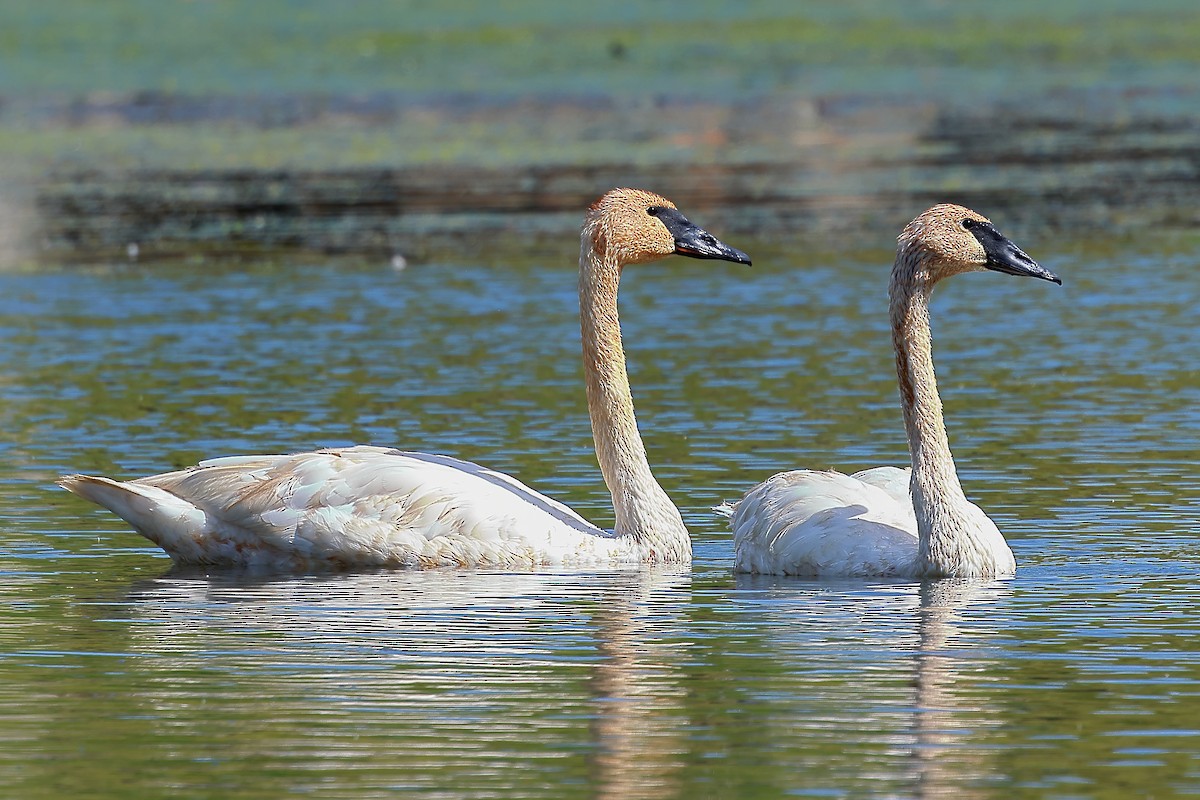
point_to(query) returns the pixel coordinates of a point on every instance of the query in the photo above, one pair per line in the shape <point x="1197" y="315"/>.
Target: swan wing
<point x="357" y="506"/>
<point x="893" y="480"/>
<point x="824" y="524"/>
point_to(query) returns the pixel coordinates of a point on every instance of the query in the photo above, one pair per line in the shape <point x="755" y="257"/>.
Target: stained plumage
<point x="887" y="521"/>
<point x="375" y="506"/>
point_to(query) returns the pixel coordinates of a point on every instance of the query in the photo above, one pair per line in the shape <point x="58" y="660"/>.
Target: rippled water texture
<point x="314" y="142"/>
<point x="1072" y="415"/>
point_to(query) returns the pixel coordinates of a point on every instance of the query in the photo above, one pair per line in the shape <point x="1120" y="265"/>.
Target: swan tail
<point x="169" y="521"/>
<point x="726" y="509"/>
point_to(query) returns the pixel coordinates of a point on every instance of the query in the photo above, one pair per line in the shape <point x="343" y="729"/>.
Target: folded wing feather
<point x="355" y="506"/>
<point x="808" y="522"/>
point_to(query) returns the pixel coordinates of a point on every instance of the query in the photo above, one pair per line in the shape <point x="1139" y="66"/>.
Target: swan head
<point x="633" y="226"/>
<point x="950" y="239"/>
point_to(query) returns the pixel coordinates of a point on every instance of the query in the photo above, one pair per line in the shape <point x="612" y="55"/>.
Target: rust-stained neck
<point x="643" y="510"/>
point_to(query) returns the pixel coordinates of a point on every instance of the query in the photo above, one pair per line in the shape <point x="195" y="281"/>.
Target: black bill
<point x="695" y="242"/>
<point x="1004" y="256"/>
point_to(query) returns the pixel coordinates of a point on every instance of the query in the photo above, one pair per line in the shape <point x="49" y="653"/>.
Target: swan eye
<point x="968" y="224"/>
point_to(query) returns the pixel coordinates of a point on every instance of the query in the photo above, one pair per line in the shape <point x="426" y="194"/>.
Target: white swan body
<point x="886" y="521"/>
<point x="357" y="506"/>
<point x="824" y="523"/>
<point x="378" y="507"/>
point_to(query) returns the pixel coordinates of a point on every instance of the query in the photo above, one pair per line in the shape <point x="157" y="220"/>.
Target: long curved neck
<point x="643" y="510"/>
<point x="938" y="498"/>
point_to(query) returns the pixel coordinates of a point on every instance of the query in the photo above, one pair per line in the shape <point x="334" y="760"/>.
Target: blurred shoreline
<point x="772" y="166"/>
<point x="239" y="130"/>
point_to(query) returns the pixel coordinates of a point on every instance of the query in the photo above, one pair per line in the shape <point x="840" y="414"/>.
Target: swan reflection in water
<point x="948" y="722"/>
<point x="890" y="670"/>
<point x="476" y="678"/>
<point x="627" y="682"/>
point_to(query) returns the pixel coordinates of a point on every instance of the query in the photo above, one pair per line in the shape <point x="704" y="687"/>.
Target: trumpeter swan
<point x="374" y="506"/>
<point x="887" y="521"/>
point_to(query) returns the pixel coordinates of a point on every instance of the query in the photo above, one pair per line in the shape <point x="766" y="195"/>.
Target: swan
<point x="379" y="507"/>
<point x="886" y="521"/>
